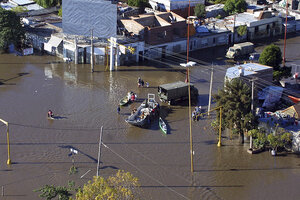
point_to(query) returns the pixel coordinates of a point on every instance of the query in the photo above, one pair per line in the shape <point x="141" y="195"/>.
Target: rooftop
<point x="22" y="2"/>
<point x="249" y="69"/>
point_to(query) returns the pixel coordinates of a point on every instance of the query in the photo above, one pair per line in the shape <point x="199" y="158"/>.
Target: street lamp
<point x="187" y="65"/>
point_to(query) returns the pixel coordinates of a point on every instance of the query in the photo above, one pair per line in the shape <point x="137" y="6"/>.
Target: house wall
<point x="36" y="41"/>
<point x="170" y="5"/>
<point x="179" y="28"/>
<point x="158" y="35"/>
<point x="128" y="58"/>
<point x="195" y="43"/>
<point x="268" y="28"/>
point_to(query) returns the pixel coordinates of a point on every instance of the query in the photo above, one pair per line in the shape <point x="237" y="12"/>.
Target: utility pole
<point x="252" y="105"/>
<point x="76" y="51"/>
<point x="92" y="52"/>
<point x="112" y="55"/>
<point x="234" y="18"/>
<point x="286" y="16"/>
<point x="220" y="128"/>
<point x="99" y="152"/>
<point x="188" y="44"/>
<point x="210" y="87"/>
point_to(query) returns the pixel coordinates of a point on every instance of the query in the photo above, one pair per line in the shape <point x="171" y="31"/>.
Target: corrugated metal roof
<point x="7" y="6"/>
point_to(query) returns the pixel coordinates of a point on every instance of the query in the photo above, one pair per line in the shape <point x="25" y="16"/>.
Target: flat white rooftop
<point x="22" y="2"/>
<point x="249" y="69"/>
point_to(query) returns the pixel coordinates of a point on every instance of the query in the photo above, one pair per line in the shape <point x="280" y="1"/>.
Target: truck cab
<point x="177" y="91"/>
<point x="240" y="50"/>
<point x="232" y="52"/>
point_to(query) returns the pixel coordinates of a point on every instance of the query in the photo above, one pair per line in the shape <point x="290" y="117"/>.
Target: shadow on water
<point x="72" y="147"/>
<point x="245" y="169"/>
<point x="2" y="81"/>
<point x="109" y="166"/>
<point x="59" y="117"/>
<point x="191" y="186"/>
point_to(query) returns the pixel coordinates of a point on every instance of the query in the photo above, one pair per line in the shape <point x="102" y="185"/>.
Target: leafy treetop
<point x="199" y="10"/>
<point x="236" y="101"/>
<point x="271" y="56"/>
<point x="11" y="30"/>
<point x="138" y="3"/>
<point x="235" y="6"/>
<point x="48" y="3"/>
<point x="123" y="185"/>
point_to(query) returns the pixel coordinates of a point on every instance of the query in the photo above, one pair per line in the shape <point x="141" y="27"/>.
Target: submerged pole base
<point x="8" y="162"/>
<point x="219" y="144"/>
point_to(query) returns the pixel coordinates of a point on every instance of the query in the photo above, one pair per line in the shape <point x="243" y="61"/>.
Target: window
<point x="214" y="40"/>
<point x="204" y="42"/>
<point x="256" y="29"/>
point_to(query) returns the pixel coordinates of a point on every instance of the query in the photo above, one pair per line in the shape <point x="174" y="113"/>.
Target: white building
<point x="260" y="24"/>
<point x="169" y="5"/>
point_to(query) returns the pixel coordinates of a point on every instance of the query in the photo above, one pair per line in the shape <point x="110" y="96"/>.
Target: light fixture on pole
<point x="187" y="65"/>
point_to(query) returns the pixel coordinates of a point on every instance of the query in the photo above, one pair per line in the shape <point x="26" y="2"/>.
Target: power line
<point x="143" y="172"/>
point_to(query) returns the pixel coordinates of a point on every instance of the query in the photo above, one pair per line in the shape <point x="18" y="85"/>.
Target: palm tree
<point x="236" y="101"/>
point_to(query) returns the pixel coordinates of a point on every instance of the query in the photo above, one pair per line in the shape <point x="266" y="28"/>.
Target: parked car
<point x="254" y="57"/>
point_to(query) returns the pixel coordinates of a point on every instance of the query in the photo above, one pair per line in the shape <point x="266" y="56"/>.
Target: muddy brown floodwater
<point x="85" y="101"/>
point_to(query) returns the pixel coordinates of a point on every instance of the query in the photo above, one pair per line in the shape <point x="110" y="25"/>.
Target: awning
<point x="54" y="41"/>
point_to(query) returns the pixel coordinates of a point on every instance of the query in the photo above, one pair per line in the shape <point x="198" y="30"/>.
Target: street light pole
<point x="188" y="44"/>
<point x="220" y="128"/>
<point x="7" y="137"/>
<point x="191" y="136"/>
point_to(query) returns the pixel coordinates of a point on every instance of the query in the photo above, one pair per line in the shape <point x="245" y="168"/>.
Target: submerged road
<point x="84" y="102"/>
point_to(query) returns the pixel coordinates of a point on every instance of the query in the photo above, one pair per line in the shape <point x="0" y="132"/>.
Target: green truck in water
<point x="177" y="91"/>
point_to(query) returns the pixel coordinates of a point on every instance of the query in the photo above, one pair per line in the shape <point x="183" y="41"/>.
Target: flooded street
<point x="85" y="101"/>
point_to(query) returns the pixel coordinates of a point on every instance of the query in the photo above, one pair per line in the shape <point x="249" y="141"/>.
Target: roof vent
<point x="241" y="71"/>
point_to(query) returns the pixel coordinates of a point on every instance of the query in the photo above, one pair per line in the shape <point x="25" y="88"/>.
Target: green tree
<point x="281" y="139"/>
<point x="236" y="101"/>
<point x="48" y="3"/>
<point x="242" y="30"/>
<point x="219" y="1"/>
<point x="259" y="138"/>
<point x="11" y="30"/>
<point x="123" y="185"/>
<point x="19" y="9"/>
<point x="139" y="3"/>
<point x="60" y="12"/>
<point x="50" y="192"/>
<point x="235" y="6"/>
<point x="271" y="56"/>
<point x="199" y="10"/>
